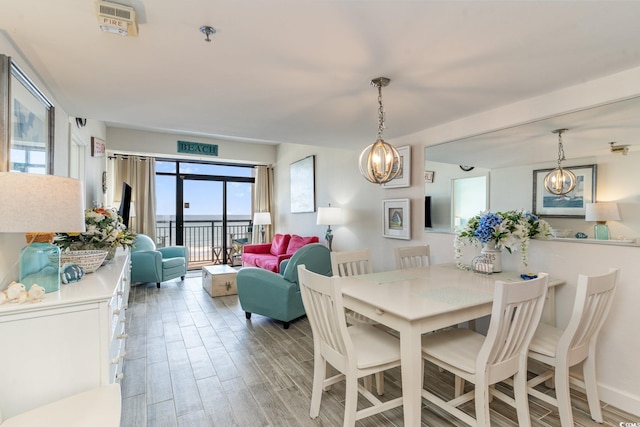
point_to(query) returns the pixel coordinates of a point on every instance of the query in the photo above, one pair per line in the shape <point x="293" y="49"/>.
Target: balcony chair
<point x="277" y="295"/>
<point x="561" y="350"/>
<point x="412" y="256"/>
<point x="356" y="351"/>
<point x="484" y="361"/>
<point x="98" y="407"/>
<point x="355" y="263"/>
<point x="149" y="264"/>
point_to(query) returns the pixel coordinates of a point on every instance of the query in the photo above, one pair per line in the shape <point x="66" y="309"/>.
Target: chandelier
<point x="380" y="161"/>
<point x="560" y="181"/>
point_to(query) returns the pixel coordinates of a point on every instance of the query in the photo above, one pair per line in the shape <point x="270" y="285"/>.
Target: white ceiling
<point x="298" y="71"/>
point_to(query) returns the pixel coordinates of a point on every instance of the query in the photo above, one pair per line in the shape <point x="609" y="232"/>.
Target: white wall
<point x="146" y="143"/>
<point x="338" y="181"/>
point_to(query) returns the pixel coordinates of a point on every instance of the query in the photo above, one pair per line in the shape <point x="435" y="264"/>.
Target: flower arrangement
<point x="511" y="230"/>
<point x="105" y="230"/>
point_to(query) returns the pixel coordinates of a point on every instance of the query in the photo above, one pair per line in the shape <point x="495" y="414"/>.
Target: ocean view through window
<point x="204" y="206"/>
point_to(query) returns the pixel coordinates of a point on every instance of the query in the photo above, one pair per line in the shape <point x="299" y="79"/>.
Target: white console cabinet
<point x="69" y="342"/>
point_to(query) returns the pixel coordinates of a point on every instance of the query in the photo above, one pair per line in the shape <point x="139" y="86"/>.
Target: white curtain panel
<point x="263" y="199"/>
<point x="140" y="174"/>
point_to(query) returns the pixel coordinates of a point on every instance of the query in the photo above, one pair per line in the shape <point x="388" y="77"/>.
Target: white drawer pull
<point x="120" y="293"/>
<point x="120" y="376"/>
<point x="379" y="312"/>
<point x="122" y="336"/>
<point x="116" y="312"/>
<point x="124" y="319"/>
<point x="115" y="361"/>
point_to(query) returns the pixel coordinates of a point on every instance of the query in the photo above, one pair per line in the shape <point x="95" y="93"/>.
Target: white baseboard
<point x="621" y="400"/>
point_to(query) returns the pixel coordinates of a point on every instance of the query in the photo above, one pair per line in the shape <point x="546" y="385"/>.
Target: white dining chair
<point x="351" y="263"/>
<point x="484" y="361"/>
<point x="98" y="407"/>
<point x="561" y="349"/>
<point x="412" y="256"/>
<point x="355" y="351"/>
<point x="356" y="263"/>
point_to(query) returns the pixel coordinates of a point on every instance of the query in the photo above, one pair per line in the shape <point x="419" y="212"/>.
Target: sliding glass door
<point x="205" y="207"/>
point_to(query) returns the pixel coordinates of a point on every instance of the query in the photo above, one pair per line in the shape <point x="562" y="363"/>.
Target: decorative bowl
<point x="89" y="260"/>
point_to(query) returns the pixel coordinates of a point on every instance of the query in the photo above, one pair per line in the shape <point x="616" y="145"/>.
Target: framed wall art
<point x="98" y="147"/>
<point x="404" y="178"/>
<point x="428" y="177"/>
<point x="396" y="219"/>
<point x="26" y="138"/>
<point x="303" y="186"/>
<point x="571" y="205"/>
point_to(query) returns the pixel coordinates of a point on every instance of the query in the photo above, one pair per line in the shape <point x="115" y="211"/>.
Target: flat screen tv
<point x="125" y="204"/>
<point x="427" y="211"/>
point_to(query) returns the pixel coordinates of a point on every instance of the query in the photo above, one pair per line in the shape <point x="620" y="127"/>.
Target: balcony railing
<point x="207" y="241"/>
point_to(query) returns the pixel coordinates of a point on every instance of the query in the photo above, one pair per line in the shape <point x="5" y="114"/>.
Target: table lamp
<point x="262" y="219"/>
<point x="329" y="216"/>
<point x="40" y="205"/>
<point x="601" y="213"/>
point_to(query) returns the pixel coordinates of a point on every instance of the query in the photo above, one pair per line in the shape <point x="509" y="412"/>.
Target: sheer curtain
<point x="140" y="173"/>
<point x="263" y="199"/>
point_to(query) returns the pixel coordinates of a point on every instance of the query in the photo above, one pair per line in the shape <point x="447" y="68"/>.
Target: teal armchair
<point x="277" y="295"/>
<point x="149" y="264"/>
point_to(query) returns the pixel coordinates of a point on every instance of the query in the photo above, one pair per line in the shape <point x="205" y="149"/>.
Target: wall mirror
<point x="512" y="154"/>
<point x="27" y="116"/>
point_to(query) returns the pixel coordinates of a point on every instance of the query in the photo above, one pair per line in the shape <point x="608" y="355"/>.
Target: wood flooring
<point x="193" y="360"/>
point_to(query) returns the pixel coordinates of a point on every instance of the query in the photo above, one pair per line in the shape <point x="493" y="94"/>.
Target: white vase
<point x="493" y="254"/>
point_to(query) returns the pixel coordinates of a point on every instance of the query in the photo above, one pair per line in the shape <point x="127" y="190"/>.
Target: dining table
<point x="421" y="300"/>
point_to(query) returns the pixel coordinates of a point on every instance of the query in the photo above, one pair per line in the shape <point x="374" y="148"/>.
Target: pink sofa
<point x="269" y="255"/>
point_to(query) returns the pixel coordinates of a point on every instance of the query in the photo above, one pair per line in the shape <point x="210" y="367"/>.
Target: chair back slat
<point x="412" y="256"/>
<point x="322" y="299"/>
<point x="351" y="263"/>
<point x="594" y="296"/>
<point x="517" y="309"/>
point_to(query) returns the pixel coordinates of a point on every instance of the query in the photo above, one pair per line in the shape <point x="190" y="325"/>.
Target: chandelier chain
<point x="380" y="112"/>
<point x="560" y="149"/>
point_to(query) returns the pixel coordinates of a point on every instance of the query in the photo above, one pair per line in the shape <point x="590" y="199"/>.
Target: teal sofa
<point x="149" y="264"/>
<point x="277" y="295"/>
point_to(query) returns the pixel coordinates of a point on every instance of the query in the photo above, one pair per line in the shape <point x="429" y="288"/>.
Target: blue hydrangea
<point x="487" y="226"/>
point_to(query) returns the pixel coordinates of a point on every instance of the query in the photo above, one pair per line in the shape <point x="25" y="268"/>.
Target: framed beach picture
<point x="403" y="178"/>
<point x="570" y="205"/>
<point x="396" y="219"/>
<point x="303" y="185"/>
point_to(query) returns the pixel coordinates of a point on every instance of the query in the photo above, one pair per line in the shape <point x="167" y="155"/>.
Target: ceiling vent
<point x="116" y="18"/>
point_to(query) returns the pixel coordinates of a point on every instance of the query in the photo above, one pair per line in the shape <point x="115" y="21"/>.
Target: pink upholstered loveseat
<point x="269" y="255"/>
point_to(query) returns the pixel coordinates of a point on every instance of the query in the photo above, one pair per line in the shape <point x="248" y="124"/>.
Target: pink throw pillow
<point x="297" y="242"/>
<point x="279" y="244"/>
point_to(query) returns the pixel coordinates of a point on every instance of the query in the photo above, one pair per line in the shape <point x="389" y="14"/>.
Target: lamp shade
<point x="603" y="211"/>
<point x="262" y="218"/>
<point x="40" y="203"/>
<point x="329" y="215"/>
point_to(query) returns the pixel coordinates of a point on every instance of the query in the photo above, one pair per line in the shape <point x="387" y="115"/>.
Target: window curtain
<point x="140" y="174"/>
<point x="263" y="199"/>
